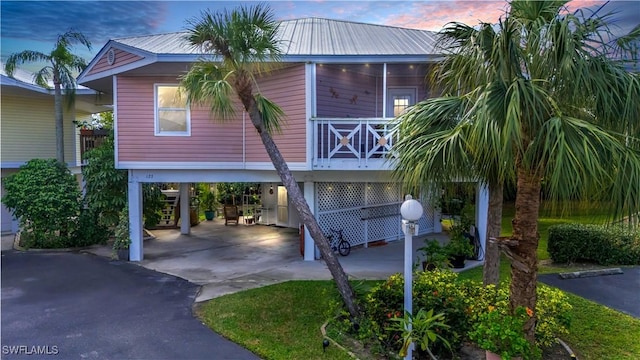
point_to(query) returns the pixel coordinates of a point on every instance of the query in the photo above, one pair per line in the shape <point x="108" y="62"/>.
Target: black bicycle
<point x="338" y="243"/>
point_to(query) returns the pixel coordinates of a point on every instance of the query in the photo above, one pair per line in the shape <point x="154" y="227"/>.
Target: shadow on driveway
<point x="620" y="292"/>
<point x="80" y="306"/>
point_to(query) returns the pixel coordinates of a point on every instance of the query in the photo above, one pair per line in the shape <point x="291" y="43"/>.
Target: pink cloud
<point x="434" y="15"/>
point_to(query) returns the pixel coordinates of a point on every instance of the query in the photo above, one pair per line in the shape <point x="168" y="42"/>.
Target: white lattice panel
<point x="333" y="196"/>
<point x="348" y="220"/>
<point x="383" y="193"/>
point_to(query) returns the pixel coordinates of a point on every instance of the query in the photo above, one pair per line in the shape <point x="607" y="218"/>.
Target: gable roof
<point x="301" y="40"/>
<point x="313" y="37"/>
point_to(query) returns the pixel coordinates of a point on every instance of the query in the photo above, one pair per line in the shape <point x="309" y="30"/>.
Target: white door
<point x="283" y="207"/>
<point x="398" y="99"/>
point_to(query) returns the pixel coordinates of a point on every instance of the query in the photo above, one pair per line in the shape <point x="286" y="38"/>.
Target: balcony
<point x="352" y="144"/>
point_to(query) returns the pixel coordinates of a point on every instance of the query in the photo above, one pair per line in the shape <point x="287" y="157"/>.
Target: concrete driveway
<point x="80" y="306"/>
<point x="226" y="259"/>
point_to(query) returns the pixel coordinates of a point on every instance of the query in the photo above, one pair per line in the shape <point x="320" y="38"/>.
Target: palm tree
<point x="245" y="42"/>
<point x="61" y="65"/>
<point x="535" y="97"/>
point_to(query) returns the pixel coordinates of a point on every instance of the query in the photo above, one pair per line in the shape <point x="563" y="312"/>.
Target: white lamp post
<point x="411" y="211"/>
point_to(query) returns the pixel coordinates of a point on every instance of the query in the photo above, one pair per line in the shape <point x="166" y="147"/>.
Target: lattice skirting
<point x="366" y="212"/>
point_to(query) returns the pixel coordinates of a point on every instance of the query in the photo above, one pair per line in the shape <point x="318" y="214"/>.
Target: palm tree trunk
<point x="297" y="198"/>
<point x="524" y="261"/>
<point x="59" y="123"/>
<point x="491" y="270"/>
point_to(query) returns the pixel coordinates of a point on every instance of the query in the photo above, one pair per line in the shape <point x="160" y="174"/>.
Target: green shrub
<point x="45" y="197"/>
<point x="569" y="243"/>
<point x="462" y="303"/>
<point x="90" y="230"/>
<point x="436" y="290"/>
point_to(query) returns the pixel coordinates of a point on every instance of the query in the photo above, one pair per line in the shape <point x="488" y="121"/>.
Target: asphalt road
<point x="620" y="292"/>
<point x="79" y="306"/>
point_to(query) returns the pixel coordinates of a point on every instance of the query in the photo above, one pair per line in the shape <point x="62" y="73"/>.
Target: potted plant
<point x="434" y="255"/>
<point x="458" y="249"/>
<point x="122" y="239"/>
<point x="459" y="246"/>
<point x="209" y="203"/>
<point x="501" y="334"/>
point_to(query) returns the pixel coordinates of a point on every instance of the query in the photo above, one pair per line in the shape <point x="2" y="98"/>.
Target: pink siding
<point x="210" y="141"/>
<point x="122" y="58"/>
<point x="287" y="89"/>
<point x="417" y="82"/>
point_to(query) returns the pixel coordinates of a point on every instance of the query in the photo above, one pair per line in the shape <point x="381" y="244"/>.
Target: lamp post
<point x="411" y="211"/>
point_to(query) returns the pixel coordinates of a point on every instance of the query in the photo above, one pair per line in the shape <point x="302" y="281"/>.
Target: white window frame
<point x="156" y="109"/>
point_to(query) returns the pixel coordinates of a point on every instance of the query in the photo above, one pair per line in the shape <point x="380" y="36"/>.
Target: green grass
<point x="276" y="322"/>
<point x="283" y="321"/>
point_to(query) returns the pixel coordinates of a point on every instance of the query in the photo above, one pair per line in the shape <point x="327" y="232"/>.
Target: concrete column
<point x="136" y="251"/>
<point x="185" y="225"/>
<point x="482" y="212"/>
<point x="309" y="244"/>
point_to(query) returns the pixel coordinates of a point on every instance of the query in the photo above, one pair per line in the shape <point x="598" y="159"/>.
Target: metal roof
<point x="313" y="37"/>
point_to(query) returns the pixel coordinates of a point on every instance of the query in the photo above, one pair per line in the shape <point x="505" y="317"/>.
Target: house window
<point x="400" y="104"/>
<point x="172" y="112"/>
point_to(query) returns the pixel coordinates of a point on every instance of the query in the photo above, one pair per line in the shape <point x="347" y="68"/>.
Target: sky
<point x="34" y="25"/>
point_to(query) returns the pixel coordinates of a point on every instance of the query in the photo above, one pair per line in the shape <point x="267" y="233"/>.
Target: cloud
<point x="97" y="20"/>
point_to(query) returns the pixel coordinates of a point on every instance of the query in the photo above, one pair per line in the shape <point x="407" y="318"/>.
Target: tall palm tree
<point x="244" y="43"/>
<point x="535" y="97"/>
<point x="61" y="65"/>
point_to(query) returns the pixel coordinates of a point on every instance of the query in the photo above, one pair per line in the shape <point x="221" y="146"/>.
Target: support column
<point x="185" y="216"/>
<point x="482" y="212"/>
<point x="136" y="251"/>
<point x="309" y="245"/>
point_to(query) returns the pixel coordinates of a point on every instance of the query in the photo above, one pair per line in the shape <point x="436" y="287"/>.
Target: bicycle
<point x="338" y="243"/>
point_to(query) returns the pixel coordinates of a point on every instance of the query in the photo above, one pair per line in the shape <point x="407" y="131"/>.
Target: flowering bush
<point x="438" y="290"/>
<point x="502" y="333"/>
<point x="463" y="305"/>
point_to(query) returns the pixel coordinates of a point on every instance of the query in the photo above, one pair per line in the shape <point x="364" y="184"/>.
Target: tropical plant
<point x="533" y="97"/>
<point x="245" y="39"/>
<point x="45" y="198"/>
<point x="122" y="236"/>
<point x="61" y="65"/>
<point x="434" y="255"/>
<point x="502" y="333"/>
<point x="106" y="187"/>
<point x="422" y="329"/>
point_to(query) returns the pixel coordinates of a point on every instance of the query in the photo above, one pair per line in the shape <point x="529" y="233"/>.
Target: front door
<point x="283" y="207"/>
<point x="398" y="99"/>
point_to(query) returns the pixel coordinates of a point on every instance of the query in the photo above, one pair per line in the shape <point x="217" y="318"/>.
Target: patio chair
<point x="231" y="214"/>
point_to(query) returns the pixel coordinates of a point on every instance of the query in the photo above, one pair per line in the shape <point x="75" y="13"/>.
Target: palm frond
<point x="23" y="57"/>
<point x="272" y="115"/>
<point x="207" y="83"/>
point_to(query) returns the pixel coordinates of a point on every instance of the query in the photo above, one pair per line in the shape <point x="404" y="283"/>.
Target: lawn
<point x="283" y="321"/>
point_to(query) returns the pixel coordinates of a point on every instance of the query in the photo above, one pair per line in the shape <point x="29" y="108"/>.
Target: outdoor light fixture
<point x="411" y="211"/>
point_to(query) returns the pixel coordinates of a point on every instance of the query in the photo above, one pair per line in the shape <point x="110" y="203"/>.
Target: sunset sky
<point x="34" y="25"/>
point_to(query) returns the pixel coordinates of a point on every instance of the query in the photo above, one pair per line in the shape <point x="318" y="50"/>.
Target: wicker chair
<point x="231" y="214"/>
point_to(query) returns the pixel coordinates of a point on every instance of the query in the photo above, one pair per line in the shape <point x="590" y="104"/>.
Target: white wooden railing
<point x="347" y="143"/>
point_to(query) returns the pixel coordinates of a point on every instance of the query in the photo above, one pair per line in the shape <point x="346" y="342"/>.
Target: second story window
<point x="172" y="117"/>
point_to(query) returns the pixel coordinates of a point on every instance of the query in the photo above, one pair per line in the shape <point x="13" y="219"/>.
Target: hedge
<point x="600" y="244"/>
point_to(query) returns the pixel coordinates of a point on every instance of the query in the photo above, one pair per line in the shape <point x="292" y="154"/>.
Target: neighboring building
<point x="340" y="85"/>
<point x="28" y="127"/>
